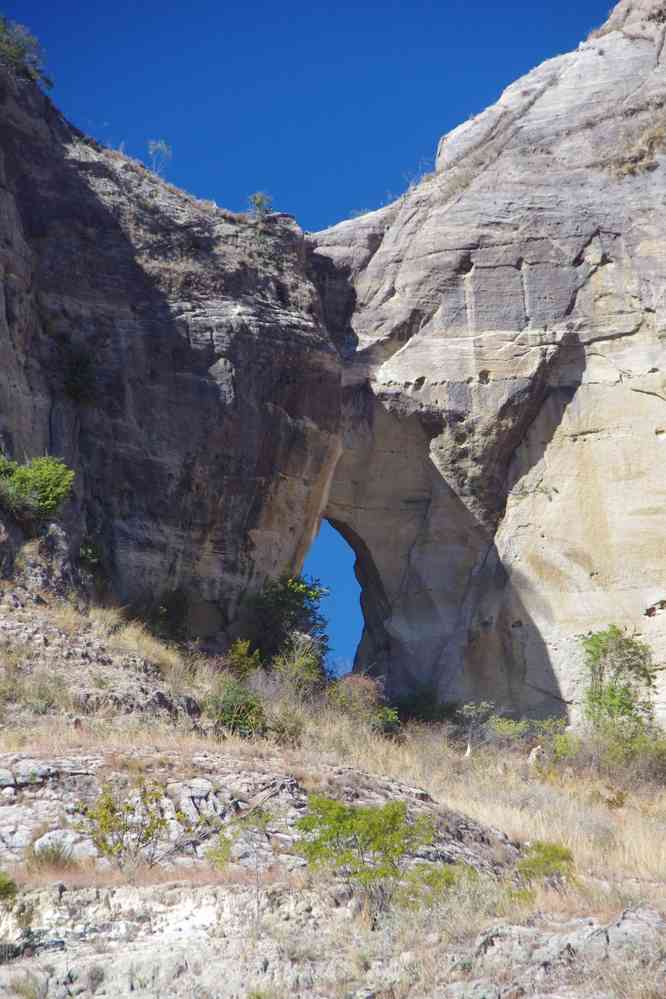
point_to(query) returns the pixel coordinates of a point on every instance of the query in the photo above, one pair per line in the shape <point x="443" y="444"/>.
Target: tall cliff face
<point x="470" y="383"/>
<point x="504" y="323"/>
<point x="211" y="420"/>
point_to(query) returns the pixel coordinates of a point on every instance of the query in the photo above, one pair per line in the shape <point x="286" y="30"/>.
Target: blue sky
<point x="331" y="108"/>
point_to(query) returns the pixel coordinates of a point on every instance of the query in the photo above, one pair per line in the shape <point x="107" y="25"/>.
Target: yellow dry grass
<point x="620" y="846"/>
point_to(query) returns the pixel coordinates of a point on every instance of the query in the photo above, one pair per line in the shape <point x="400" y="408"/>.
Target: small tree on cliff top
<point x="21" y="53"/>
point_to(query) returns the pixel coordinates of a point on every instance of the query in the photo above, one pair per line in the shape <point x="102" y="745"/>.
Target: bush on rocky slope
<point x="21" y="53"/>
<point x="36" y="489"/>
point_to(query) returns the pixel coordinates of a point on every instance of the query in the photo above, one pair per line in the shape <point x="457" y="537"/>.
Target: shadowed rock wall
<point x="210" y="423"/>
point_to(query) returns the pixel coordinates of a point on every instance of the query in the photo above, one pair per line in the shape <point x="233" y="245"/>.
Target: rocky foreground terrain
<point x="87" y="706"/>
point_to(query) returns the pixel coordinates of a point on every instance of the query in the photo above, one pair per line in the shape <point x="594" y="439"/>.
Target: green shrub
<point x="126" y="827"/>
<point x="240" y="661"/>
<point x="90" y="553"/>
<point x="546" y="860"/>
<point x="300" y="664"/>
<point x="236" y="708"/>
<point x="621" y="677"/>
<point x="20" y="52"/>
<point x="368" y="845"/>
<point x="8" y="889"/>
<point x="507" y="731"/>
<point x="35" y="490"/>
<point x="386" y="721"/>
<point x="219" y="854"/>
<point x="7" y="467"/>
<point x="283" y="607"/>
<point x="425" y="885"/>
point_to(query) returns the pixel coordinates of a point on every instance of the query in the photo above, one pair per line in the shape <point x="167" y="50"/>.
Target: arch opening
<point x="332" y="559"/>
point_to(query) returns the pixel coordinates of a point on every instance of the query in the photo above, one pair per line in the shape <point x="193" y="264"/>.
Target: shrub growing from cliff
<point x="35" y="490"/>
<point x="21" y="53"/>
<point x="283" y="607"/>
<point x="621" y="679"/>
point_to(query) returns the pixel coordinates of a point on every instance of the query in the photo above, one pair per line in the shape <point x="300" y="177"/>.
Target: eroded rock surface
<point x="503" y="324"/>
<point x="469" y="383"/>
<point x="173" y="354"/>
<point x="42" y="797"/>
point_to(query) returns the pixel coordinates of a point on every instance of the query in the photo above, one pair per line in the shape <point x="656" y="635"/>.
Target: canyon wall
<point x="469" y="383"/>
<point x="503" y="479"/>
<point x="209" y="421"/>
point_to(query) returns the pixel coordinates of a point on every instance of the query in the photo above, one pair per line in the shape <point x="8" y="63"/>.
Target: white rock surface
<point x="502" y="479"/>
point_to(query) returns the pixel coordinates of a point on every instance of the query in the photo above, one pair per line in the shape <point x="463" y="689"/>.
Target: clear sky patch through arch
<point x="331" y="559"/>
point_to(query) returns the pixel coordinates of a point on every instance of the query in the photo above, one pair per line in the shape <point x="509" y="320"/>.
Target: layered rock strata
<point x="502" y="478"/>
<point x="469" y="383"/>
<point x="173" y="354"/>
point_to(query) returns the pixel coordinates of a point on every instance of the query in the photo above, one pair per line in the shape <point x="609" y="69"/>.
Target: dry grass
<point x="66" y="617"/>
<point x="623" y="846"/>
<point x="37" y="690"/>
<point x="616" y="838"/>
<point x="135" y="638"/>
<point x="642" y="156"/>
<point x="89" y="875"/>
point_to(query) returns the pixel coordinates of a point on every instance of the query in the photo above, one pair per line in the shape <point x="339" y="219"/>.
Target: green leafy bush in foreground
<point x="35" y="490"/>
<point x="235" y="707"/>
<point x="368" y="845"/>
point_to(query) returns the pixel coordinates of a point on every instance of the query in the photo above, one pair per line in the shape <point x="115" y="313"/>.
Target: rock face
<point x="503" y="324"/>
<point x="469" y="383"/>
<point x="172" y="353"/>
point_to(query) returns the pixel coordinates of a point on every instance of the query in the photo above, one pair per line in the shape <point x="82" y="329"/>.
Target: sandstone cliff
<point x="469" y="383"/>
<point x="502" y="478"/>
<point x="210" y="420"/>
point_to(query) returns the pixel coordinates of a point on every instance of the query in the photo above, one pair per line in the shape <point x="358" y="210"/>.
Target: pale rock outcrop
<point x="502" y="479"/>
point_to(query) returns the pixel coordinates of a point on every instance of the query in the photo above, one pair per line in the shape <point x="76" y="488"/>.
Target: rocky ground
<point x="263" y="926"/>
<point x="91" y="702"/>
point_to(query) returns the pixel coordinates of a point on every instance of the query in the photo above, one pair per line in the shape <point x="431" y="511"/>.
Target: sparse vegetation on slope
<point x="36" y="489"/>
<point x="21" y="53"/>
